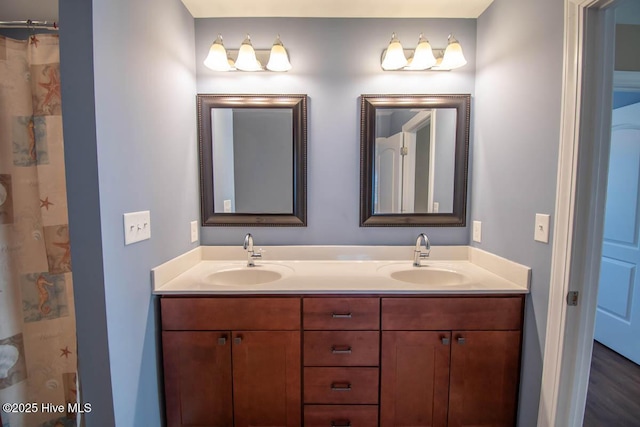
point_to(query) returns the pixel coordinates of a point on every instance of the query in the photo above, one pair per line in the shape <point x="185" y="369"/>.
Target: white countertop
<point x="340" y="269"/>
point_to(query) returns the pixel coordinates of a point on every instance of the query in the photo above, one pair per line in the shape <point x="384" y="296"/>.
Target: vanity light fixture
<point x="423" y="57"/>
<point x="278" y="58"/>
<point x="247" y="58"/>
<point x="217" y="59"/>
<point x="393" y="57"/>
<point x="453" y="57"/>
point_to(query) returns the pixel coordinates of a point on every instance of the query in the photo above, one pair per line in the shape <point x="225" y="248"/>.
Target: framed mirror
<point x="253" y="160"/>
<point x="414" y="153"/>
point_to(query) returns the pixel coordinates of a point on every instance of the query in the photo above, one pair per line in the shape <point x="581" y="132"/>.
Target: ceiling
<point x="337" y="8"/>
<point x="48" y="9"/>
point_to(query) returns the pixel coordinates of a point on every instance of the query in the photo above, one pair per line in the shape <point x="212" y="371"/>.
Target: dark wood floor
<point x="613" y="399"/>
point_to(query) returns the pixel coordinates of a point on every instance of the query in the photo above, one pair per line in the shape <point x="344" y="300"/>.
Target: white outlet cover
<point x="541" y="233"/>
<point x="194" y="231"/>
<point x="477" y="231"/>
<point x="137" y="227"/>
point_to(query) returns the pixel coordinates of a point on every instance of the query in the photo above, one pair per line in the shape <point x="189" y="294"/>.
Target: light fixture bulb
<point x="217" y="58"/>
<point x="453" y="57"/>
<point x="393" y="57"/>
<point x="247" y="60"/>
<point x="278" y="58"/>
<point x="423" y="56"/>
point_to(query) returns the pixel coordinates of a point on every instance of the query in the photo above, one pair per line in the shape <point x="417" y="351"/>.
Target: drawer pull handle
<point x="341" y="387"/>
<point x="341" y="349"/>
<point x="341" y="423"/>
<point x="237" y="340"/>
<point x="445" y="341"/>
<point x="222" y="340"/>
<point x="341" y="315"/>
<point x="461" y="340"/>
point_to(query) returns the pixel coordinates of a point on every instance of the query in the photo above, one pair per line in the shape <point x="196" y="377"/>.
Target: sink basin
<point x="430" y="276"/>
<point x="246" y="276"/>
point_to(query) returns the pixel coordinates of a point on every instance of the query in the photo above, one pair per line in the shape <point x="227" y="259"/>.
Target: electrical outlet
<point x="137" y="227"/>
<point x="541" y="233"/>
<point x="477" y="231"/>
<point x="194" y="231"/>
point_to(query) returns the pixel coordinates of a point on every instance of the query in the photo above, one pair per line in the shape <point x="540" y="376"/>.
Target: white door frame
<point x="579" y="218"/>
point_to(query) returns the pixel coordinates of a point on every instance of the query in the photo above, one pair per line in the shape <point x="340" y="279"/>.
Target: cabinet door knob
<point x="445" y="341"/>
<point x="222" y="340"/>
<point x="237" y="340"/>
<point x="341" y="315"/>
<point x="340" y="423"/>
<point x="340" y="386"/>
<point x="461" y="340"/>
<point x="341" y="349"/>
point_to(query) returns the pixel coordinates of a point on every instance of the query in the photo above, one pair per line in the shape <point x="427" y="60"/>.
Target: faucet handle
<point x="258" y="253"/>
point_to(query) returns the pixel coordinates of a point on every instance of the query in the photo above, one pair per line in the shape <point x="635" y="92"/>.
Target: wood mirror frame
<point x="298" y="105"/>
<point x="369" y="105"/>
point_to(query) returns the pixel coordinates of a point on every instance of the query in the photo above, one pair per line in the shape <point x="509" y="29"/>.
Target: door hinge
<point x="404" y="151"/>
<point x="572" y="298"/>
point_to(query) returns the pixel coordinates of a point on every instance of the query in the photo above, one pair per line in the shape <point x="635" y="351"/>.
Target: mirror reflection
<point x="252" y="160"/>
<point x="414" y="160"/>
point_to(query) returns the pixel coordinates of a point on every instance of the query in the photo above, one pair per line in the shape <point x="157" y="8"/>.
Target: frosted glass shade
<point x="247" y="60"/>
<point x="393" y="58"/>
<point x="453" y="57"/>
<point x="278" y="58"/>
<point x="423" y="56"/>
<point x="217" y="58"/>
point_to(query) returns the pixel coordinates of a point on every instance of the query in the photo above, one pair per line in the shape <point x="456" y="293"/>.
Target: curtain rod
<point x="47" y="25"/>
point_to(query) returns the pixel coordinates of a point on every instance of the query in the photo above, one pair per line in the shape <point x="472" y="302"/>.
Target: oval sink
<point x="430" y="276"/>
<point x="244" y="276"/>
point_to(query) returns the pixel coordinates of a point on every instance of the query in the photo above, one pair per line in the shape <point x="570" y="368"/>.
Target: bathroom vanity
<point x="325" y="340"/>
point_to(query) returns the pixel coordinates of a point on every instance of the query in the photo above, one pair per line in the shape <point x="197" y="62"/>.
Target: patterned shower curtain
<point x="37" y="319"/>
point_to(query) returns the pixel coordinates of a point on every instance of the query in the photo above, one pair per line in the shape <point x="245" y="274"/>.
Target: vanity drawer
<point x="341" y="385"/>
<point x="483" y="313"/>
<point x="341" y="348"/>
<point x="198" y="314"/>
<point x="340" y="416"/>
<point x="341" y="313"/>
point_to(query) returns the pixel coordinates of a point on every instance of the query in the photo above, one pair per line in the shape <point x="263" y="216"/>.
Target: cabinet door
<point x="485" y="367"/>
<point x="197" y="378"/>
<point x="415" y="378"/>
<point x="266" y="379"/>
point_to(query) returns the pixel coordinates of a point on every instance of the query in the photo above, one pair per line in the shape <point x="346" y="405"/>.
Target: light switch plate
<point x="137" y="227"/>
<point x="477" y="231"/>
<point x="541" y="233"/>
<point x="194" y="231"/>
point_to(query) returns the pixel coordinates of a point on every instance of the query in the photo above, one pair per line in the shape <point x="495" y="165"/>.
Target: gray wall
<point x="627" y="51"/>
<point x="514" y="167"/>
<point x="138" y="153"/>
<point x="334" y="62"/>
<point x="263" y="157"/>
<point x="423" y="145"/>
<point x="444" y="161"/>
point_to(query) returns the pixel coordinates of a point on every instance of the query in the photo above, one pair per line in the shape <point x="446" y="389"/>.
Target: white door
<point x="388" y="174"/>
<point x="618" y="312"/>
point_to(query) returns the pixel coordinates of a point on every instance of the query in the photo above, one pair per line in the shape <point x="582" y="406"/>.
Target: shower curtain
<point x="37" y="320"/>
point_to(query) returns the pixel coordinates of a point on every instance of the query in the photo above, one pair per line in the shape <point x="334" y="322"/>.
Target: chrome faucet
<point x="418" y="253"/>
<point x="251" y="254"/>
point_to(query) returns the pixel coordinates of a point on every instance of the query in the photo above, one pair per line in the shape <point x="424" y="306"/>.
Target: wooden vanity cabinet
<point x="232" y="361"/>
<point x="450" y="361"/>
<point x="342" y="361"/>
